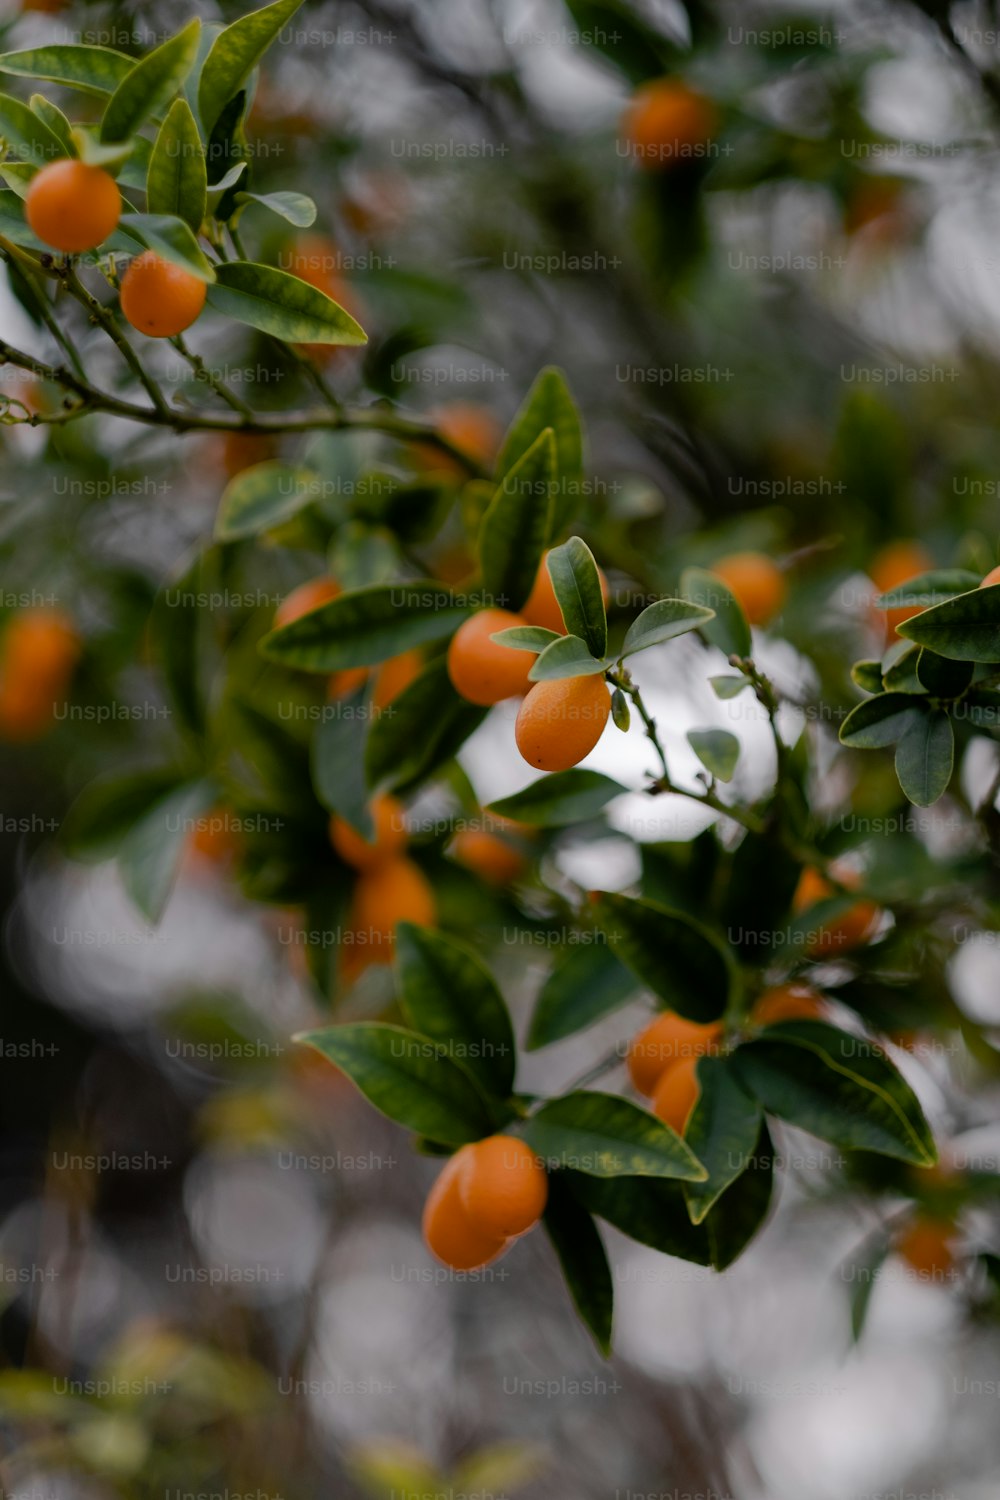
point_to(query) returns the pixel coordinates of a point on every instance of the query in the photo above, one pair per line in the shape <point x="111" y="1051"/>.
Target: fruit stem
<point x="203" y="372"/>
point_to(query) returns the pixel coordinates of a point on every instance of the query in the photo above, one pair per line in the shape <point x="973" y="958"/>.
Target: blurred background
<point x="211" y="1272"/>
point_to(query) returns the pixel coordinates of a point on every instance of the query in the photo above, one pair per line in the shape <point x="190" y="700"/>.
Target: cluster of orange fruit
<point x="74" y="207"/>
<point x="389" y="889"/>
<point x="389" y="679"/>
<point x="487" y="1195"/>
<point x="40" y="648"/>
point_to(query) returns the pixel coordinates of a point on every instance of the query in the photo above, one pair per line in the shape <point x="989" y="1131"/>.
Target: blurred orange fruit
<point x="38" y="652"/>
<point x="396" y="891"/>
<point x="926" y="1245"/>
<point x="757" y="582"/>
<point x="390" y="835"/>
<point x="892" y="566"/>
<point x="666" y="122"/>
<point x="850" y="930"/>
<point x="788" y="1002"/>
<point x="676" y="1094"/>
<point x="487" y="855"/>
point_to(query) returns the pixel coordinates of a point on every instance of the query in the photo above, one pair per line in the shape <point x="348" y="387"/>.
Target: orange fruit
<point x="396" y="891"/>
<point x="343" y="684"/>
<point x="473" y="430"/>
<point x="926" y="1245"/>
<point x="390" y="835"/>
<point x="73" y="207"/>
<point x="787" y="1002"/>
<point x="160" y="299"/>
<point x="502" y="1186"/>
<point x="487" y="856"/>
<point x="667" y="121"/>
<point x="850" y="930"/>
<point x="214" y="839"/>
<point x="663" y="1042"/>
<point x="37" y="655"/>
<point x="991" y="578"/>
<point x="394" y="675"/>
<point x="308" y="596"/>
<point x="757" y="582"/>
<point x="676" y="1094"/>
<point x="241" y="450"/>
<point x="481" y="670"/>
<point x="449" y="1233"/>
<point x="542" y="607"/>
<point x="560" y="722"/>
<point x="892" y="566"/>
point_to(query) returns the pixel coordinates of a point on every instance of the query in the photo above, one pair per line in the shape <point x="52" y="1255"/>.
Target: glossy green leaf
<point x="366" y="626"/>
<point x="840" y="1087"/>
<point x="925" y="757"/>
<point x="862" y="1276"/>
<point x="722" y="1132"/>
<point x="337" y="763"/>
<point x="966" y="628"/>
<point x="557" y="800"/>
<point x="577" y="1242"/>
<point x="549" y="404"/>
<point x="586" y="983"/>
<point x="880" y="721"/>
<point x="728" y="628"/>
<point x="13" y="225"/>
<point x="867" y="675"/>
<point x="899" y="669"/>
<point x="235" y="53"/>
<point x="150" y="83"/>
<point x="943" y="678"/>
<point x="927" y="589"/>
<point x="717" y="749"/>
<point x="621" y="714"/>
<point x="56" y="121"/>
<point x="281" y="304"/>
<point x="650" y="1210"/>
<point x="22" y="131"/>
<point x="218" y="190"/>
<point x="170" y="237"/>
<point x="446" y="993"/>
<point x="294" y="208"/>
<point x="566" y="656"/>
<point x="262" y="497"/>
<point x="422" y="729"/>
<point x="408" y="1077"/>
<point x="739" y="1213"/>
<point x="109" y="806"/>
<point x="577" y="585"/>
<point x="607" y="1136"/>
<point x="150" y="854"/>
<point x="515" y="529"/>
<point x="663" y="621"/>
<point x="679" y="959"/>
<point x="92" y="70"/>
<point x="527" y="638"/>
<point x="726" y="687"/>
<point x="177" y="180"/>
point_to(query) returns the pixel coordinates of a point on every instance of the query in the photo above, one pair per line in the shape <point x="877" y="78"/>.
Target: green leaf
<point x="134" y="173"/>
<point x="360" y="554"/>
<point x="56" y="122"/>
<point x="235" y="53"/>
<point x="663" y="621"/>
<point x="728" y="629"/>
<point x="422" y="728"/>
<point x="92" y="70"/>
<point x="863" y="1275"/>
<point x="177" y="181"/>
<point x="407" y="1077"/>
<point x="577" y="585"/>
<point x="176" y="637"/>
<point x="840" y="1087"/>
<point x="549" y="404"/>
<point x="880" y="721"/>
<point x="108" y="807"/>
<point x="728" y="687"/>
<point x="262" y="497"/>
<point x="966" y="628"/>
<point x="649" y="1210"/>
<point x="621" y="714"/>
<point x="925" y="757"/>
<point x="527" y="638"/>
<point x="169" y="237"/>
<point x="148" y="85"/>
<point x="929" y="588"/>
<point x="606" y="1136"/>
<point x="218" y="190"/>
<point x="717" y="749"/>
<point x="586" y="984"/>
<point x="743" y="1207"/>
<point x="111" y="156"/>
<point x="559" y="799"/>
<point x="294" y="208"/>
<point x="366" y="626"/>
<point x="151" y="851"/>
<point x="13" y="226"/>
<point x="516" y="527"/>
<point x="867" y="675"/>
<point x="577" y="1243"/>
<point x="22" y="131"/>
<point x="338" y="767"/>
<point x="447" y="994"/>
<point x="567" y="656"/>
<point x="679" y="959"/>
<point x="943" y="678"/>
<point x="280" y="304"/>
<point x="722" y="1132"/>
<point x="899" y="669"/>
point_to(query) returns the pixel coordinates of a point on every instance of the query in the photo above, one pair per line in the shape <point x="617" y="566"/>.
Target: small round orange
<point x="502" y="1186"/>
<point x="302" y="600"/>
<point x="926" y="1245"/>
<point x="160" y="299"/>
<point x="390" y="835"/>
<point x="893" y="566"/>
<point x="38" y="652"/>
<point x="482" y="670"/>
<point x="850" y="930"/>
<point x="560" y="722"/>
<point x="665" y="1041"/>
<point x="73" y="207"/>
<point x="666" y="122"/>
<point x="677" y="1093"/>
<point x="787" y="1002"/>
<point x="450" y="1235"/>
<point x="394" y="676"/>
<point x="757" y="582"/>
<point x="542" y="607"/>
<point x="396" y="891"/>
<point x="487" y="855"/>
